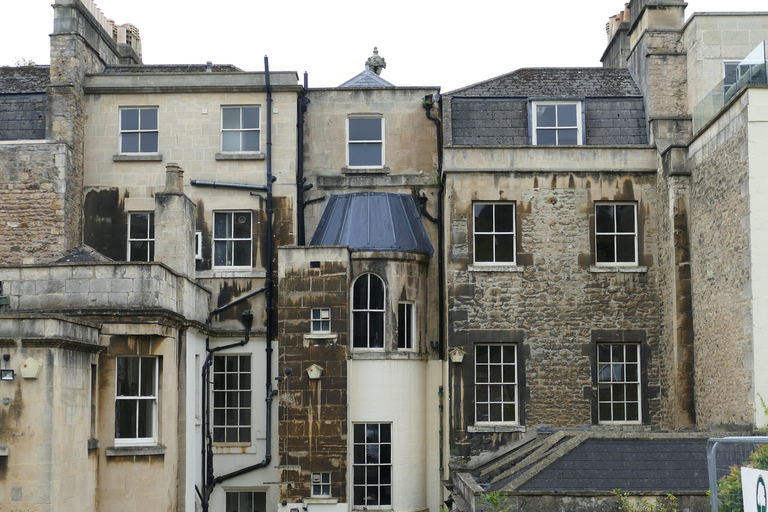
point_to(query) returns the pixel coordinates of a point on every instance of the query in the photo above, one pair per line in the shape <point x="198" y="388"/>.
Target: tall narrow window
<point x="556" y="123"/>
<point x="138" y="130"/>
<point x="240" y="129"/>
<point x="496" y="383"/>
<point x="232" y="399"/>
<point x="368" y="312"/>
<point x="372" y="464"/>
<point x="494" y="225"/>
<point x="232" y="239"/>
<point x="616" y="234"/>
<point x="136" y="400"/>
<point x="141" y="236"/>
<point x="618" y="382"/>
<point x="365" y="142"/>
<point x="405" y="326"/>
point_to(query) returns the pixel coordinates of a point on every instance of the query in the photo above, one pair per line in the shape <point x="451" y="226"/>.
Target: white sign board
<point x="753" y="489"/>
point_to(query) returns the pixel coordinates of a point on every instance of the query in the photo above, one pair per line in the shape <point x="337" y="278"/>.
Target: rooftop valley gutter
<point x="209" y="481"/>
<point x="301" y="104"/>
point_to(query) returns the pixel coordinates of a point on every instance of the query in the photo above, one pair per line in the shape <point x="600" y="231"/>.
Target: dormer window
<point x="556" y="123"/>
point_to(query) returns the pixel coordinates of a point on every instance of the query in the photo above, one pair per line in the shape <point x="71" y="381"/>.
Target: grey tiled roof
<point x="556" y="82"/>
<point x="366" y="79"/>
<point x="24" y="79"/>
<point x="172" y="68"/>
<point x="373" y="221"/>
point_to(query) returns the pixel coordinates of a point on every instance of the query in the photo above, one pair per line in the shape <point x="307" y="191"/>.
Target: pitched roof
<point x="555" y="82"/>
<point x="373" y="221"/>
<point x="366" y="78"/>
<point x="24" y="79"/>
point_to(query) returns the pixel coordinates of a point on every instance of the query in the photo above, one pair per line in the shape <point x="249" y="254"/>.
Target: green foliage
<point x="493" y="501"/>
<point x="665" y="504"/>
<point x="23" y="62"/>
<point x="729" y="495"/>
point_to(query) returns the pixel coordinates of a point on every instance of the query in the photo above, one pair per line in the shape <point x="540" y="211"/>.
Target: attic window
<point x="365" y="142"/>
<point x="556" y="123"/>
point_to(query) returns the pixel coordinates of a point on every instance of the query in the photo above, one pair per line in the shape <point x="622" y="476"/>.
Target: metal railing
<point x="722" y="455"/>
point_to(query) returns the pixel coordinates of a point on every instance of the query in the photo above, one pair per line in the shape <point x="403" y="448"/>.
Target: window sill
<point x="496" y="268"/>
<point x="245" y="155"/>
<point x="135" y="451"/>
<point x="495" y="428"/>
<point x="220" y="272"/>
<point x="630" y="269"/>
<point x="365" y="170"/>
<point x="320" y="501"/>
<point x="323" y="336"/>
<point x="93" y="444"/>
<point x="138" y="157"/>
<point x="4" y="450"/>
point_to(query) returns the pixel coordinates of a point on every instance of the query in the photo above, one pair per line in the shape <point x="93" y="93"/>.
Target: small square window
<point x="240" y="129"/>
<point x="232" y="235"/>
<point x="618" y="382"/>
<point x="321" y="320"/>
<point x="494" y="233"/>
<point x="556" y="123"/>
<point x="141" y="236"/>
<point x="321" y="485"/>
<point x="138" y="130"/>
<point x="365" y="142"/>
<point x="405" y="326"/>
<point x="616" y="234"/>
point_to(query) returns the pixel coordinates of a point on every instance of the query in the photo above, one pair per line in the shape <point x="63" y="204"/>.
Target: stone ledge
<point x="495" y="428"/>
<point x="135" y="451"/>
<point x="365" y="170"/>
<point x="245" y="155"/>
<point x="138" y="157"/>
<point x="4" y="450"/>
<point x="608" y="269"/>
<point x="326" y="336"/>
<point x="495" y="268"/>
<point x="321" y="501"/>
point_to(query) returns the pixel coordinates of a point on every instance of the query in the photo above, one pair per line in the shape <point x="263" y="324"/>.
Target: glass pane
<point x="232" y="398"/>
<point x="617" y="353"/>
<point x="220" y="253"/>
<point x="146" y="417"/>
<point x="218" y="381"/>
<point x="362" y="154"/>
<point x="241" y="227"/>
<point x="632" y="353"/>
<point x="604" y="373"/>
<point x="250" y="141"/>
<point x="632" y="395"/>
<point x="625" y="248"/>
<point x="245" y="435"/>
<point x="127" y="376"/>
<point x="569" y="137"/>
<point x="481" y="374"/>
<point x="618" y="412"/>
<point x="371" y="433"/>
<point x="546" y="137"/>
<point x="385" y="474"/>
<point x="359" y="498"/>
<point x="245" y="399"/>
<point x="365" y="129"/>
<point x="231" y="435"/>
<point x="495" y="374"/>
<point x="246" y="502"/>
<point x="230" y="141"/>
<point x="508" y="353"/>
<point x="129" y="119"/>
<point x="149" y="142"/>
<point x="632" y="375"/>
<point x="509" y="374"/>
<point x="483" y="218"/>
<point x="139" y="251"/>
<point x="386" y="495"/>
<point x="545" y="115"/>
<point x="481" y="352"/>
<point x="482" y="412"/>
<point x="604" y="249"/>
<point x="245" y="417"/>
<point x="218" y="435"/>
<point x="222" y="224"/>
<point x="505" y="248"/>
<point x="245" y="381"/>
<point x="232" y="417"/>
<point x="147" y="376"/>
<point x="632" y="412"/>
<point x="509" y="412"/>
<point x="625" y="218"/>
<point x="376" y="330"/>
<point x="618" y="372"/>
<point x="372" y="474"/>
<point x="372" y="454"/>
<point x="129" y="143"/>
<point x="231" y="381"/>
<point x="372" y="495"/>
<point x="250" y="117"/>
<point x="481" y="393"/>
<point x="605" y="412"/>
<point x="604" y="218"/>
<point x="148" y="119"/>
<point x="386" y="433"/>
<point x="401" y="329"/>
<point x="218" y="399"/>
<point x="242" y="253"/>
<point x="495" y="412"/>
<point x="139" y="226"/>
<point x="618" y="392"/>
<point x="125" y="419"/>
<point x="603" y="353"/>
<point x="360" y="330"/>
<point x="360" y="292"/>
<point x="377" y="292"/>
<point x="231" y="364"/>
<point x="566" y="115"/>
<point x="505" y="218"/>
<point x="495" y="353"/>
<point x="604" y="393"/>
<point x="494" y="393"/>
<point x="359" y="454"/>
<point x="230" y="118"/>
<point x="484" y="248"/>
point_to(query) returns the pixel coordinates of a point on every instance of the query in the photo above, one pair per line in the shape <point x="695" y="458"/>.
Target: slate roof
<point x="556" y="82"/>
<point x="81" y="253"/>
<point x="172" y="68"/>
<point x="24" y="79"/>
<point x="367" y="79"/>
<point x="373" y="221"/>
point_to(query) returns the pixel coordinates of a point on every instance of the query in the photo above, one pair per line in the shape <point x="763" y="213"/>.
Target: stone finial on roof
<point x="375" y="63"/>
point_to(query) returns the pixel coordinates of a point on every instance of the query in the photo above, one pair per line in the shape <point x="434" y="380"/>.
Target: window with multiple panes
<point x="321" y="485"/>
<point x="616" y="234"/>
<point x="240" y="129"/>
<point x="368" y="312"/>
<point x="496" y="383"/>
<point x="141" y="236"/>
<point x="246" y="501"/>
<point x="232" y="399"/>
<point x="136" y="400"/>
<point x="321" y="320"/>
<point x="372" y="464"/>
<point x="232" y="239"/>
<point x="618" y="382"/>
<point x="494" y="233"/>
<point x="556" y="123"/>
<point x="365" y="142"/>
<point x="405" y="326"/>
<point x="138" y="130"/>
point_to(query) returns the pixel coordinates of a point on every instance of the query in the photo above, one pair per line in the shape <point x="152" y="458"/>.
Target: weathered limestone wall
<point x="721" y="259"/>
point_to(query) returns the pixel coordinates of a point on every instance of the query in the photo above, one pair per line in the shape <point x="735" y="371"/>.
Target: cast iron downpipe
<point x="209" y="480"/>
<point x="301" y="108"/>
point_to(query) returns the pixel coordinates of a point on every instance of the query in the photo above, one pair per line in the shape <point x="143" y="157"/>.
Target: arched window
<point x="368" y="312"/>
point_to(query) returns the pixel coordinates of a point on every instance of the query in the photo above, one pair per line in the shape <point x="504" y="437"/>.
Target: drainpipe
<point x="302" y="103"/>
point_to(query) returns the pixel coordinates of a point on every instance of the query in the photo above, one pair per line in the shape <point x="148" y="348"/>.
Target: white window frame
<point x="240" y="494"/>
<point x="153" y="399"/>
<point x="372" y="141"/>
<point x="557" y="127"/>
<point x="368" y="312"/>
<point x="229" y="240"/>
<point x="494" y="233"/>
<point x="198" y="245"/>
<point x="320" y="320"/>
<point x="612" y="379"/>
<point x="490" y="395"/>
<point x="149" y="240"/>
<point x="233" y="382"/>
<point x="616" y="234"/>
<point x="406" y="328"/>
<point x="139" y="131"/>
<point x="368" y="448"/>
<point x="321" y="484"/>
<point x="241" y="130"/>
